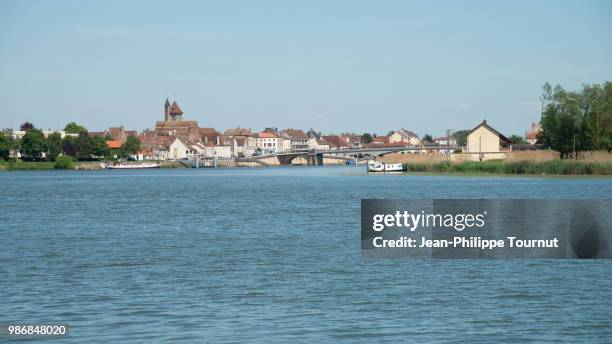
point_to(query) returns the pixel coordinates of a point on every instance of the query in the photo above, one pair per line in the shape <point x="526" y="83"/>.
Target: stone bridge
<point x="321" y="157"/>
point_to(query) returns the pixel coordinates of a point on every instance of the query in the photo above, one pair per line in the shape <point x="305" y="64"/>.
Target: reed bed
<point x="530" y="162"/>
<point x="593" y="156"/>
<point x="554" y="167"/>
<point x="413" y="158"/>
<point x="534" y="156"/>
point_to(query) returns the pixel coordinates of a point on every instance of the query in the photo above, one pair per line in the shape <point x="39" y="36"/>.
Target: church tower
<point x="166" y="110"/>
<point x="175" y="112"/>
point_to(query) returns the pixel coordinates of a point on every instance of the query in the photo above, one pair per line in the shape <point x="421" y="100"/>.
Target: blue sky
<point x="336" y="66"/>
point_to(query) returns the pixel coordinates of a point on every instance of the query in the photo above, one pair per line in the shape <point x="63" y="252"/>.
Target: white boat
<point x="130" y="166"/>
<point x="375" y="166"/>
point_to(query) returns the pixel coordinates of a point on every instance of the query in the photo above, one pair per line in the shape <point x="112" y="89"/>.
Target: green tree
<point x="577" y="120"/>
<point x="461" y="137"/>
<point x="546" y="96"/>
<point x="69" y="146"/>
<point x="84" y="146"/>
<point x="55" y="145"/>
<point x="74" y="128"/>
<point x="33" y="144"/>
<point x="63" y="162"/>
<point x="559" y="130"/>
<point x="6" y="145"/>
<point x="427" y="138"/>
<point x="390" y="133"/>
<point x="26" y="126"/>
<point x="366" y="138"/>
<point x="517" y="139"/>
<point x="131" y="145"/>
<point x="99" y="147"/>
<point x="598" y="121"/>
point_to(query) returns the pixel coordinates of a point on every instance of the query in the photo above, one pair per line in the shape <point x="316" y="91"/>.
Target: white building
<point x="298" y="139"/>
<point x="269" y="143"/>
<point x="322" y="144"/>
<point x="312" y="143"/>
<point x="446" y="140"/>
<point x="405" y="136"/>
<point x="286" y="145"/>
<point x="219" y="151"/>
<point x="180" y="150"/>
<point x="486" y="143"/>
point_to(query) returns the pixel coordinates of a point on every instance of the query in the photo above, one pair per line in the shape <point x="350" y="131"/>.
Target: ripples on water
<point x="273" y="255"/>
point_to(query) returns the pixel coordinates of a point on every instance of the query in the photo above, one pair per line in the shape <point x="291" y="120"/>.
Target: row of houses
<point x="240" y="142"/>
<point x="484" y="142"/>
<point x="175" y="138"/>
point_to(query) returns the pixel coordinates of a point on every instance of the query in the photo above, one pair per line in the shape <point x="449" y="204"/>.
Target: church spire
<point x="167" y="110"/>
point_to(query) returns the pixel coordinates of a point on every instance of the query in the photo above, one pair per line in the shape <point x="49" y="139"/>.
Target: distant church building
<point x="173" y="112"/>
<point x="174" y="125"/>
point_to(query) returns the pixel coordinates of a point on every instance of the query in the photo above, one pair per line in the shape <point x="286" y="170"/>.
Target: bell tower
<point x="167" y="110"/>
<point x="175" y="113"/>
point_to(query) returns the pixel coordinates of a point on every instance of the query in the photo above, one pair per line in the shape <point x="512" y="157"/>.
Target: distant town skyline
<point x="336" y="66"/>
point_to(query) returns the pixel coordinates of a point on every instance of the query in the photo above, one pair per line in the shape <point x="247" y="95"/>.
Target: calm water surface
<point x="273" y="255"/>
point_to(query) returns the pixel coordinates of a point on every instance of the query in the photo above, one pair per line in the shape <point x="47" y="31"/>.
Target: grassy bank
<point x="553" y="167"/>
<point x="26" y="166"/>
<point x="19" y="165"/>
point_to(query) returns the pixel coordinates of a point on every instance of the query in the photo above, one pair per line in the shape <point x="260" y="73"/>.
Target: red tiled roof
<point x="157" y="141"/>
<point x="380" y="139"/>
<point x="265" y="135"/>
<point x="532" y="135"/>
<point x="334" y="140"/>
<point x="349" y="138"/>
<point x="394" y="144"/>
<point x="175" y="109"/>
<point x="112" y="144"/>
<point x="117" y="133"/>
<point x="295" y="134"/>
<point x="208" y="131"/>
<point x="163" y="141"/>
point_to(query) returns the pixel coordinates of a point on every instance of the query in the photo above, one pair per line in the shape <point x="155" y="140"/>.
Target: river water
<point x="266" y="255"/>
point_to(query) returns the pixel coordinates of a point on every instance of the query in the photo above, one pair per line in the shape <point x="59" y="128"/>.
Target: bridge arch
<point x="297" y="160"/>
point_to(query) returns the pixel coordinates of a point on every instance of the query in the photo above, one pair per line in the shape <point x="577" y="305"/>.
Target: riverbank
<point x="26" y="165"/>
<point x="19" y="165"/>
<point x="552" y="167"/>
<point x="95" y="165"/>
<point x="544" y="162"/>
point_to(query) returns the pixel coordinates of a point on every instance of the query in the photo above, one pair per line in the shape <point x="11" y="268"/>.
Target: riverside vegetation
<point x="532" y="162"/>
<point x="62" y="162"/>
<point x="77" y="150"/>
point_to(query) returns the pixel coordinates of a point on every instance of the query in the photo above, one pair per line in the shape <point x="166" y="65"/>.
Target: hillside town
<point x="176" y="138"/>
